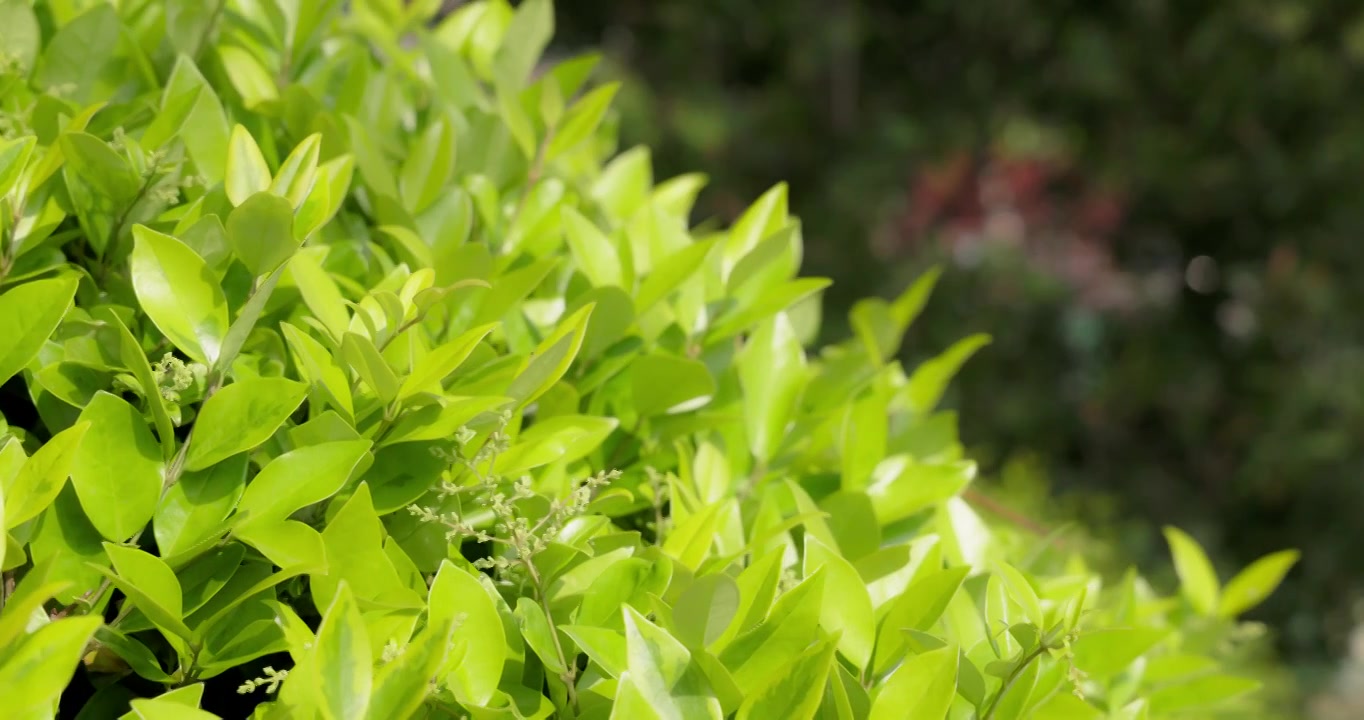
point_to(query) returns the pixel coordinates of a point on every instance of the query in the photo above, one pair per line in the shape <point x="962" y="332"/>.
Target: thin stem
<point x="1009" y="681"/>
<point x="570" y="669"/>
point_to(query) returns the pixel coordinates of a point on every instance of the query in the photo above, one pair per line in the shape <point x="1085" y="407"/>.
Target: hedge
<point x="348" y="372"/>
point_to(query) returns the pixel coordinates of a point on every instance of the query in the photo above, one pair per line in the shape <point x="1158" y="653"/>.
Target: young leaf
<point x="297" y="479"/>
<point x="342" y="662"/>
<point x="319" y="368"/>
<point x="772" y="373"/>
<point x="298" y="172"/>
<point x="846" y="609"/>
<point x="241" y="416"/>
<point x="582" y="120"/>
<point x="1105" y="652"/>
<point x="1197" y="579"/>
<point x="796" y="690"/>
<point x="548" y="363"/>
<point x="36" y="672"/>
<point x="247" y="173"/>
<point x="42" y="476"/>
<point x="526" y="38"/>
<point x="261" y="232"/>
<point x="205" y="132"/>
<point x="152" y="587"/>
<point x="923" y="687"/>
<point x="454" y="593"/>
<point x="402" y="685"/>
<point x="118" y="470"/>
<point x="179" y="293"/>
<point x="435" y="366"/>
<point x="29" y="314"/>
<point x="428" y="167"/>
<point x="535" y="628"/>
<point x="1251" y="586"/>
<point x="705" y="610"/>
<point x="593" y="252"/>
<point x="97" y="164"/>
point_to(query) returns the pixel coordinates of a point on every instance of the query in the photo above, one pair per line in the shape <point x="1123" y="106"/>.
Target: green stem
<point x="570" y="669"/>
<point x="1009" y="681"/>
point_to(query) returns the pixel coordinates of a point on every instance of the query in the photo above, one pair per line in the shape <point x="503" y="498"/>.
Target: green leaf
<point x="139" y="658"/>
<point x="772" y="372"/>
<point x="354" y="539"/>
<point x="796" y="690"/>
<point x="441" y="419"/>
<point x="1023" y="593"/>
<point x="923" y="687"/>
<point x="194" y="508"/>
<point x="179" y="293"/>
<point x="261" y="232"/>
<point x="666" y="383"/>
<point x="320" y="294"/>
<point x="655" y="661"/>
<point x="1202" y="692"/>
<point x="118" y="470"/>
<point x="362" y="357"/>
<point x="606" y="647"/>
<point x="298" y="173"/>
<point x="1197" y="579"/>
<point x="403" y="684"/>
<point x="539" y="635"/>
<point x="42" y="476"/>
<point x="252" y="81"/>
<point x="789" y="628"/>
<point x="846" y="607"/>
<point x="205" y="131"/>
<point x="163" y="709"/>
<point x="247" y="173"/>
<point x="582" y="121"/>
<point x="551" y="359"/>
<point x="342" y="661"/>
<point x="297" y="479"/>
<point x="20" y="40"/>
<point x="1251" y="586"/>
<point x="765" y="216"/>
<point x="286" y="543"/>
<point x="151" y="586"/>
<point x="247" y="317"/>
<point x="593" y="252"/>
<point x="929" y="381"/>
<point x="454" y="593"/>
<point x="526" y="38"/>
<point x="241" y="416"/>
<point x="918" y="608"/>
<point x="705" y="610"/>
<point x="76" y="55"/>
<point x="97" y="164"/>
<point x="428" y="167"/>
<point x="29" y="314"/>
<point x="436" y="365"/>
<point x="1106" y="652"/>
<point x="319" y="368"/>
<point x="35" y="673"/>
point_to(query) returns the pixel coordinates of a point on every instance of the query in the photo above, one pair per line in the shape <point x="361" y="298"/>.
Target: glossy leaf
<point x="28" y="315"/>
<point x="1197" y="579"/>
<point x="117" y="470"/>
<point x="241" y="416"/>
<point x="179" y="294"/>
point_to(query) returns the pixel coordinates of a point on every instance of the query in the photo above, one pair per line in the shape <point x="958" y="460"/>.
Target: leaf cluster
<point x="355" y="371"/>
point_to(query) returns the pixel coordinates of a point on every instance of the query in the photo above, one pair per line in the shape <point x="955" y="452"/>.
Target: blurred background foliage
<point x="1153" y="206"/>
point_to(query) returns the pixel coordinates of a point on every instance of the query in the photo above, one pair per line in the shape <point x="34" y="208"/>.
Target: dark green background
<point x="1233" y="131"/>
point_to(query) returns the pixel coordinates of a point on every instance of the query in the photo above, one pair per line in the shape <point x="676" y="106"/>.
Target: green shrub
<point x="384" y="390"/>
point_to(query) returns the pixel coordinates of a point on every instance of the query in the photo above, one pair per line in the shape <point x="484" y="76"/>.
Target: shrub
<point x="384" y="390"/>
